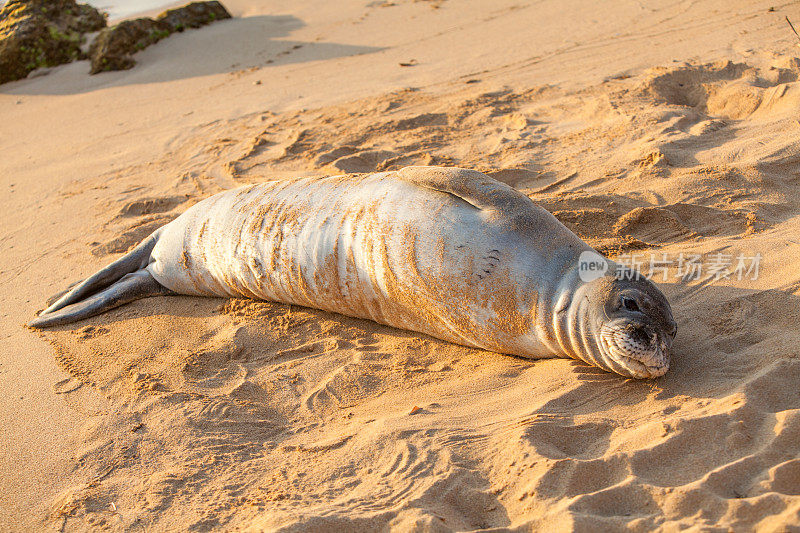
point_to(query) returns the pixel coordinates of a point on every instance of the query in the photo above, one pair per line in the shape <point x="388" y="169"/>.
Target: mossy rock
<point x="193" y="15"/>
<point x="113" y="48"/>
<point x="43" y="33"/>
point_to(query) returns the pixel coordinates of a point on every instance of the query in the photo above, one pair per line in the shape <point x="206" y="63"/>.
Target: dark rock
<point x="113" y="47"/>
<point x="43" y="33"/>
<point x="193" y="15"/>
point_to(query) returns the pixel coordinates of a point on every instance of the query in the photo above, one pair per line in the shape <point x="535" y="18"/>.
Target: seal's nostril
<point x="640" y="335"/>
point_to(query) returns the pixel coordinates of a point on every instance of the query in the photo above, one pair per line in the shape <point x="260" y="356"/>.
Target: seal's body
<point x="448" y="252"/>
<point x="367" y="247"/>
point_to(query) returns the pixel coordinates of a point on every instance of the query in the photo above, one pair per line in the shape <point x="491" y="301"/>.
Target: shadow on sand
<point x="231" y="46"/>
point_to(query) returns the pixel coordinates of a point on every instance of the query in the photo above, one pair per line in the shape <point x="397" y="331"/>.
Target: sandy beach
<point x="656" y="131"/>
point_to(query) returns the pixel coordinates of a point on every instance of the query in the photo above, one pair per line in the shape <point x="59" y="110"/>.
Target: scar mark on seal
<point x="487" y="264"/>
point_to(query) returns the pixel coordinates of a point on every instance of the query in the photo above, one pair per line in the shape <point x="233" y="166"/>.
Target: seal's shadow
<point x="728" y="336"/>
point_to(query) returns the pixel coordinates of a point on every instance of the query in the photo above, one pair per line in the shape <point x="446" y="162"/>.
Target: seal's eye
<point x="630" y="304"/>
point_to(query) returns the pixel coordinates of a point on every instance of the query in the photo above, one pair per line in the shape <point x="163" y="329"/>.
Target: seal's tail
<point x="123" y="281"/>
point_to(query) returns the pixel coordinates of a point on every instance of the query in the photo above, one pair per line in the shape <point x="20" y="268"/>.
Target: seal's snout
<point x="635" y="349"/>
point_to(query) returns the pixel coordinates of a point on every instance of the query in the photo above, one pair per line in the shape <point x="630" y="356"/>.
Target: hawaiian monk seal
<point x="444" y="251"/>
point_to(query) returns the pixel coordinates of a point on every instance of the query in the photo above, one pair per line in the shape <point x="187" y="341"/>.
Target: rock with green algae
<point x="43" y="33"/>
<point x="113" y="47"/>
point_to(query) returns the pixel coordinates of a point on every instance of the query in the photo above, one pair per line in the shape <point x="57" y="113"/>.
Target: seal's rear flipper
<point x="57" y="296"/>
<point x="133" y="286"/>
<point x="135" y="260"/>
<point x="123" y="281"/>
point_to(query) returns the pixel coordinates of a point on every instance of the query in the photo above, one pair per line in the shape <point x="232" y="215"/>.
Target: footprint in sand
<point x="66" y="386"/>
<point x="206" y="377"/>
<point x="558" y="438"/>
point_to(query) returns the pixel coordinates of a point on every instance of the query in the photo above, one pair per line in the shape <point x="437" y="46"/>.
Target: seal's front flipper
<point x="139" y="284"/>
<point x="485" y="193"/>
<point x="479" y="190"/>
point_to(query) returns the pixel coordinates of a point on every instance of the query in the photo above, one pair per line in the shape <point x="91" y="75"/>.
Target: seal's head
<point x="632" y="326"/>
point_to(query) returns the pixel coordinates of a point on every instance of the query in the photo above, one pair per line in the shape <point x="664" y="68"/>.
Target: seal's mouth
<point x="634" y="350"/>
